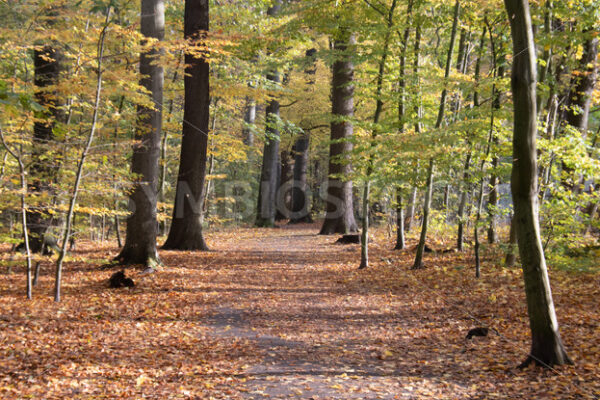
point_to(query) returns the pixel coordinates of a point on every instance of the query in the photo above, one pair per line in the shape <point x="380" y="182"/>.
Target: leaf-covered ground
<point x="284" y="313"/>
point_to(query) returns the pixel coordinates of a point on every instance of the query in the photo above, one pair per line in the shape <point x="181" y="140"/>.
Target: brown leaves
<point x="283" y="313"/>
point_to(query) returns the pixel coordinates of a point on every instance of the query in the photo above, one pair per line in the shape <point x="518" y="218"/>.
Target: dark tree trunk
<point x="460" y="239"/>
<point x="580" y="97"/>
<point x="547" y="348"/>
<point x="267" y="192"/>
<point x="268" y="176"/>
<point x="47" y="67"/>
<point x="511" y="252"/>
<point x="283" y="200"/>
<point x="300" y="199"/>
<point x="340" y="210"/>
<point x="492" y="206"/>
<point x="186" y="228"/>
<point x="400" y="239"/>
<point x="140" y="237"/>
<point x="249" y="119"/>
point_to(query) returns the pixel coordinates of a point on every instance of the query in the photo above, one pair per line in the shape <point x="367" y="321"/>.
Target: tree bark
<point x="47" y="68"/>
<point x="142" y="228"/>
<point x="547" y="348"/>
<point x="400" y="240"/>
<point x="340" y="211"/>
<point x="300" y="200"/>
<point x="186" y="228"/>
<point x="427" y="203"/>
<point x="267" y="193"/>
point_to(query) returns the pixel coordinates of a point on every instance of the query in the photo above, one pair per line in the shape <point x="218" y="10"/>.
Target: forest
<point x="312" y="199"/>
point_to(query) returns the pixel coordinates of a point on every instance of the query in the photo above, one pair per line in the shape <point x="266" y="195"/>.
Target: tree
<point x="266" y="209"/>
<point x="340" y="210"/>
<point x="186" y="229"/>
<point x="47" y="62"/>
<point x="427" y="202"/>
<point x="142" y="228"/>
<point x="546" y="347"/>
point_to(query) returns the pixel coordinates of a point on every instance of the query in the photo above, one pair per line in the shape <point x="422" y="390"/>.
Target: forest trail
<point x="299" y="361"/>
<point x="285" y="314"/>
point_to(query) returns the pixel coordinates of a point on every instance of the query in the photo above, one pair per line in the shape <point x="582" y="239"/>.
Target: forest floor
<point x="284" y="313"/>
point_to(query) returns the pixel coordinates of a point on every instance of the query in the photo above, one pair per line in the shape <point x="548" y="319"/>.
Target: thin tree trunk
<point x="364" y="259"/>
<point x="300" y="200"/>
<point x="186" y="228"/>
<point x="440" y="118"/>
<point x="79" y="174"/>
<point x="546" y="348"/>
<point x="400" y="239"/>
<point x="460" y="237"/>
<point x="17" y="155"/>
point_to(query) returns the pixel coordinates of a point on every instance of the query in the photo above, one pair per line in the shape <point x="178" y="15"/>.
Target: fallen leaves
<point x="282" y="313"/>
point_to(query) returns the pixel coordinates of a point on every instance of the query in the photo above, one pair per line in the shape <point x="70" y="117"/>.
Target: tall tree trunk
<point x="300" y="199"/>
<point x="546" y="348"/>
<point x="47" y="68"/>
<point x="492" y="206"/>
<point x="400" y="240"/>
<point x="364" y="258"/>
<point x="460" y="237"/>
<point x="140" y="237"/>
<point x="283" y="200"/>
<point x="267" y="193"/>
<point x="440" y="118"/>
<point x="186" y="227"/>
<point x="340" y="211"/>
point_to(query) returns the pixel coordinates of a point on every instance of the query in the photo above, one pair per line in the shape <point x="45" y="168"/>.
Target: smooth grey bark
<point x="142" y="229"/>
<point x="546" y="346"/>
<point x="440" y="118"/>
<point x="339" y="217"/>
<point x="400" y="239"/>
<point x="267" y="192"/>
<point x="186" y="228"/>
<point x="410" y="210"/>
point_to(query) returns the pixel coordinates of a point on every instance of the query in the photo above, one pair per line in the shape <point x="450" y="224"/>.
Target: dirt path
<point x="316" y="339"/>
